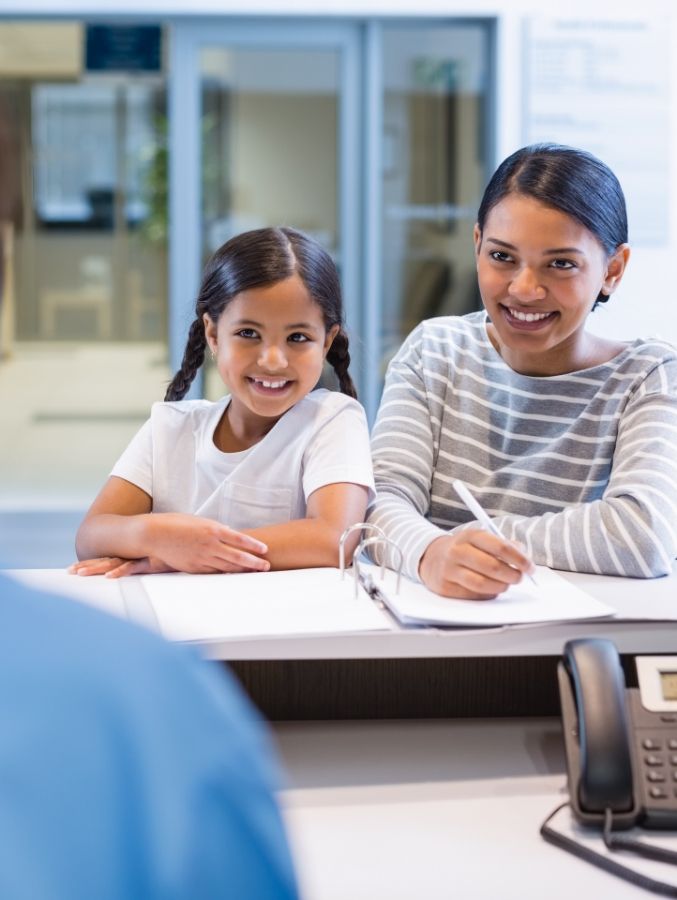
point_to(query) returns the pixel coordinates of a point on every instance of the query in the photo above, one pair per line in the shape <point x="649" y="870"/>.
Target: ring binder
<point x="367" y="581"/>
<point x="363" y="526"/>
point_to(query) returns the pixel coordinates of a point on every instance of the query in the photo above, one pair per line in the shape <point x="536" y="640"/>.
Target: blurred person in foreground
<point x="128" y="767"/>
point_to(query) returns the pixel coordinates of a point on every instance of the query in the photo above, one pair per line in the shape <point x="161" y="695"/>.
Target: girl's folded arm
<point x="120" y="524"/>
<point x="116" y="522"/>
<point x="314" y="541"/>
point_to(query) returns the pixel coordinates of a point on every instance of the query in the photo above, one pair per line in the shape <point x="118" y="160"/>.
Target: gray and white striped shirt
<point x="581" y="468"/>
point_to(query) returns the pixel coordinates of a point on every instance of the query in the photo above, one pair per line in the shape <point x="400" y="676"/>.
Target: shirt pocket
<point x="247" y="506"/>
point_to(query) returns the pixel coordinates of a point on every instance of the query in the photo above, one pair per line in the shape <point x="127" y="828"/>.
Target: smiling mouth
<point x="270" y="385"/>
<point x="520" y="319"/>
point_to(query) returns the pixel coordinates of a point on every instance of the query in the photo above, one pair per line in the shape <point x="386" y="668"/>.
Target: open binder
<point x="550" y="599"/>
<point x="346" y="600"/>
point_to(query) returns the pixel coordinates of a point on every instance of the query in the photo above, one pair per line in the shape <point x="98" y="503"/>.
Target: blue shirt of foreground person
<point x="128" y="768"/>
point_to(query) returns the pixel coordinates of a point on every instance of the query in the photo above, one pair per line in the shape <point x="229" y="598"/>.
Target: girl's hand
<point x="115" y="567"/>
<point x="472" y="565"/>
<point x="186" y="543"/>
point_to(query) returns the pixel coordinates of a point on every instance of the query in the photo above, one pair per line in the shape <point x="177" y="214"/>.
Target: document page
<point x="261" y="604"/>
<point x="551" y="599"/>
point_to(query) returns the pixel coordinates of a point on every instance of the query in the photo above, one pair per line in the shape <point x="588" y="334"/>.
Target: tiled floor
<point x="68" y="410"/>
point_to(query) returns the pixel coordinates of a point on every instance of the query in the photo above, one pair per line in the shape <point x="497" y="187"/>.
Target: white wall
<point x="644" y="304"/>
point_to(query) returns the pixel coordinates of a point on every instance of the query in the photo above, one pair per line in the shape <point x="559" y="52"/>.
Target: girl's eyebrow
<point x="547" y="252"/>
<point x="251" y="323"/>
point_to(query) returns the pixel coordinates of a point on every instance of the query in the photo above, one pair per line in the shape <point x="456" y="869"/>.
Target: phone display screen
<point x="669" y="685"/>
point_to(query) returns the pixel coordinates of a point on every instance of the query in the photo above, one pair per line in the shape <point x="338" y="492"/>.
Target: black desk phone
<point x="621" y="742"/>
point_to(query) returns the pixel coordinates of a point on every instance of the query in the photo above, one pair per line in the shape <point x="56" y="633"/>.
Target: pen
<point x="478" y="512"/>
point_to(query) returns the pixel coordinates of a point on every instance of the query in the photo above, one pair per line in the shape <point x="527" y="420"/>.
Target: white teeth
<point x="528" y="317"/>
<point x="270" y="384"/>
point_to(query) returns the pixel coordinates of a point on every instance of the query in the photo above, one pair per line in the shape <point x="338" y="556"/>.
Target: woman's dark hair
<point x="570" y="180"/>
<point x="257" y="259"/>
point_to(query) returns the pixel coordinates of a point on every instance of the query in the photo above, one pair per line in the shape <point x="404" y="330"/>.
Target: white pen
<point x="478" y="512"/>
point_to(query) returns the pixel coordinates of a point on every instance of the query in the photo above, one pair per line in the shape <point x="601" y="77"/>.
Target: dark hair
<point x="257" y="259"/>
<point x="570" y="180"/>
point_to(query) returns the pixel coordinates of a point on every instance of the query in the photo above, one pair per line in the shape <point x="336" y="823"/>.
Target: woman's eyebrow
<point x="547" y="252"/>
<point x="491" y="240"/>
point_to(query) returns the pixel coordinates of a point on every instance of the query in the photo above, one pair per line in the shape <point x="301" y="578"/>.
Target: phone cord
<point x="605" y="862"/>
<point x="615" y="841"/>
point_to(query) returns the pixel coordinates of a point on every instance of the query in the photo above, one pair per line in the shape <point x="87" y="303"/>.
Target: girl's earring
<point x="213" y="355"/>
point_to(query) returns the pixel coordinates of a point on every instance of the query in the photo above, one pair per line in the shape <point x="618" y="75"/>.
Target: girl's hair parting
<point x="261" y="258"/>
<point x="570" y="180"/>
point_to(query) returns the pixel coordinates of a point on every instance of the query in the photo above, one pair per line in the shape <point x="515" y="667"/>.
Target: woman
<point x="567" y="438"/>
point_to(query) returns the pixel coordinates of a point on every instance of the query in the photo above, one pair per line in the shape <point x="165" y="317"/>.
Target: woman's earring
<point x="213" y="355"/>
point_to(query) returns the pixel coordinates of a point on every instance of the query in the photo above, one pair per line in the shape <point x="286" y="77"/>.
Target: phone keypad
<point x="655" y="763"/>
<point x="658" y="758"/>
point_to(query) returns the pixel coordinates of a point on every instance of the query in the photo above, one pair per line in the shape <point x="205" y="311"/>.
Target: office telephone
<point x="620" y="741"/>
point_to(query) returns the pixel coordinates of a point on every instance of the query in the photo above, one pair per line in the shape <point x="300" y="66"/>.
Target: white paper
<point x="261" y="604"/>
<point x="551" y="599"/>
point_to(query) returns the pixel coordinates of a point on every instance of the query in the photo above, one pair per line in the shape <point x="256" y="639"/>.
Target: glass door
<point x="271" y="139"/>
<point x="430" y="148"/>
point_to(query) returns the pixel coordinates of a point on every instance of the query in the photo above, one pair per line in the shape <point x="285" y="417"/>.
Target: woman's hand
<point x="472" y="565"/>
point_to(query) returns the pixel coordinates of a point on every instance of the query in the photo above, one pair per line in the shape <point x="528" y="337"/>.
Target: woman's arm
<point x="632" y="529"/>
<point x="471" y="564"/>
<point x="120" y="525"/>
<point x="403" y="449"/>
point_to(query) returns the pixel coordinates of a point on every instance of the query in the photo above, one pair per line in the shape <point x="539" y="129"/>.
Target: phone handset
<point x="603" y="726"/>
<point x="597" y="731"/>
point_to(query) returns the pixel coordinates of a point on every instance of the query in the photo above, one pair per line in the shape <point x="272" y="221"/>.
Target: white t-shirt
<point x="321" y="440"/>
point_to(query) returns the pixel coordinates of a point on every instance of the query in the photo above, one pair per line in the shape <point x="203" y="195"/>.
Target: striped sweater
<point x="581" y="468"/>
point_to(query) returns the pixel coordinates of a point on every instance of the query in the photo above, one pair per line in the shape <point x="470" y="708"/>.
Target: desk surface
<point x="127" y="598"/>
<point x="438" y="810"/>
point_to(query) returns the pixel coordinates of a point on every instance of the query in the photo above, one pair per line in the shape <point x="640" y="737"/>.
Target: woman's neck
<point x="586" y="352"/>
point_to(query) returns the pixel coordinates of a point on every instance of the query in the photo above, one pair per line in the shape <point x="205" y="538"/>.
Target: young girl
<point x="269" y="476"/>
<point x="567" y="438"/>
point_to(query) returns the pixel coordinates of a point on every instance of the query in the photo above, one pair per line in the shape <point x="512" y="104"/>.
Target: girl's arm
<point x="314" y="541"/>
<point x="120" y="524"/>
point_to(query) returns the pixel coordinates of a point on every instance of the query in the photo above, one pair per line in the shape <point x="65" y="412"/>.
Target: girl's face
<point x="269" y="345"/>
<point x="539" y="273"/>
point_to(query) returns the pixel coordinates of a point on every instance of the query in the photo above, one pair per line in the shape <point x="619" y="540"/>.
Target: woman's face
<point x="539" y="273"/>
